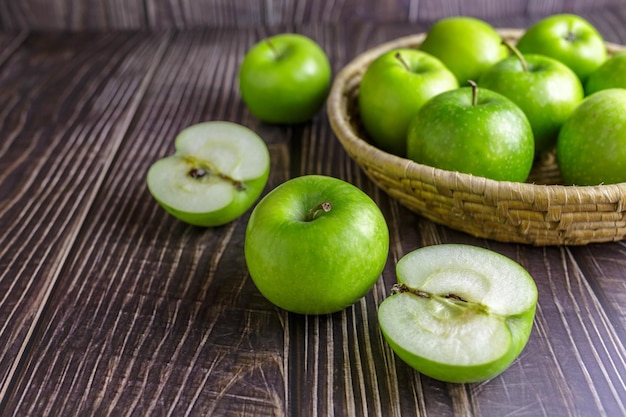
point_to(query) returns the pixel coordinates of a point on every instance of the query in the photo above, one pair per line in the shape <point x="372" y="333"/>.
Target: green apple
<point x="285" y="79"/>
<point x="567" y="38"/>
<point x="459" y="313"/>
<point x="316" y="245"/>
<point x="473" y="131"/>
<point x="546" y="90"/>
<point x="394" y="87"/>
<point x="218" y="171"/>
<point x="466" y="45"/>
<point x="591" y="147"/>
<point x="611" y="74"/>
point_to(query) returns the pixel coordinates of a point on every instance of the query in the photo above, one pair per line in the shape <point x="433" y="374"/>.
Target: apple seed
<point x="458" y="300"/>
<point x="196" y="173"/>
<point x="200" y="169"/>
<point x="455" y="297"/>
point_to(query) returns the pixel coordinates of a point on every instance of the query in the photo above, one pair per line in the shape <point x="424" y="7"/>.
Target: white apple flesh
<point x="218" y="171"/>
<point x="459" y="313"/>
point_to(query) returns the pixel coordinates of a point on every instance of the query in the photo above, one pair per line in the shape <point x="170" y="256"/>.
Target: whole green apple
<point x="316" y="245"/>
<point x="473" y="131"/>
<point x="394" y="87"/>
<point x="218" y="171"/>
<point x="466" y="45"/>
<point x="545" y="89"/>
<point x="459" y="313"/>
<point x="611" y="74"/>
<point x="591" y="147"/>
<point x="285" y="79"/>
<point x="567" y="38"/>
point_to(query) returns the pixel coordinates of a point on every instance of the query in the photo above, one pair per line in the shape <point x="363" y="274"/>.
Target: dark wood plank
<point x="605" y="266"/>
<point x="190" y="14"/>
<point x="74" y="15"/>
<point x="157" y="317"/>
<point x="66" y="103"/>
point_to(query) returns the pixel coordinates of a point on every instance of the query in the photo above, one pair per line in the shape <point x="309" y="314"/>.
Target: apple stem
<point x="398" y="56"/>
<point x="571" y="37"/>
<point x="518" y="54"/>
<point x="400" y="288"/>
<point x="235" y="183"/>
<point x="272" y="47"/>
<point x="474" y="92"/>
<point x="324" y="207"/>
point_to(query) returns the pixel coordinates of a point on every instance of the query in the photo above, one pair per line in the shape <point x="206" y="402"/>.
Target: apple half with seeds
<point x="459" y="313"/>
<point x="218" y="171"/>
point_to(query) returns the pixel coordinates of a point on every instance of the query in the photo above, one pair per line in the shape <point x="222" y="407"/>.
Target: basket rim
<point x="404" y="167"/>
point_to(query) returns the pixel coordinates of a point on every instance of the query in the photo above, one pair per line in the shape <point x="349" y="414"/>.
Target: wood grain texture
<point x="109" y="306"/>
<point x="64" y="112"/>
<point x="176" y="305"/>
<point x="190" y="14"/>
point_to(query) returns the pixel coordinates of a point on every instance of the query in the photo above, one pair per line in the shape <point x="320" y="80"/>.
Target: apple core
<point x="217" y="172"/>
<point x="458" y="313"/>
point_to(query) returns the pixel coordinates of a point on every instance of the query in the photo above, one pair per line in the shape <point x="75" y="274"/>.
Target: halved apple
<point x="459" y="313"/>
<point x="217" y="173"/>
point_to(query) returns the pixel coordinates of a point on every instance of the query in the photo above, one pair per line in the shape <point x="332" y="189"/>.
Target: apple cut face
<point x="218" y="171"/>
<point x="459" y="313"/>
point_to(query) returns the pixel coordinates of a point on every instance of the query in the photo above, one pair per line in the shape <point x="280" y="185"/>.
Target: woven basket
<point x="539" y="212"/>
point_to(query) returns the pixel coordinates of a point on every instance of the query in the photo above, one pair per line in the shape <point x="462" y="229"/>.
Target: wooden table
<point x="110" y="307"/>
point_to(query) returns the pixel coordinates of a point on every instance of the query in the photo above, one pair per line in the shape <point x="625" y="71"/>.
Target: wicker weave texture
<point x="538" y="212"/>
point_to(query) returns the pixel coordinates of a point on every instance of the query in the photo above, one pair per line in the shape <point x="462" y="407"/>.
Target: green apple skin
<point x="611" y="74"/>
<point x="567" y="38"/>
<point x="310" y="261"/>
<point x="190" y="199"/>
<point x="492" y="138"/>
<point x="591" y="147"/>
<point x="285" y="79"/>
<point x="440" y="337"/>
<point x="394" y="87"/>
<point x="466" y="45"/>
<point x="547" y="92"/>
<point x="242" y="201"/>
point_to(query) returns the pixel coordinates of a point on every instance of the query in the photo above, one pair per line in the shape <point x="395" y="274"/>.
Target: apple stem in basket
<point x="517" y="53"/>
<point x="474" y="92"/>
<point x="398" y="56"/>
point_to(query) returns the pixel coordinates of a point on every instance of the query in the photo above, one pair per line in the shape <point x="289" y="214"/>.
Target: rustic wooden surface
<point x="186" y="14"/>
<point x="110" y="307"/>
